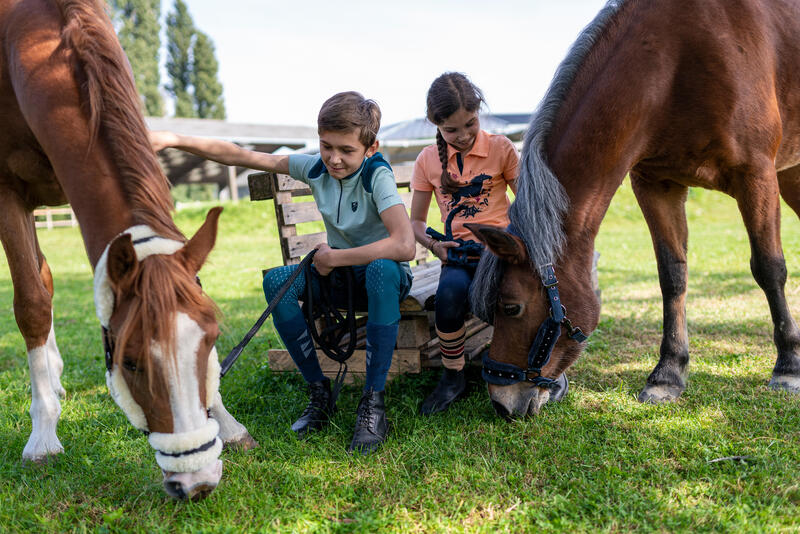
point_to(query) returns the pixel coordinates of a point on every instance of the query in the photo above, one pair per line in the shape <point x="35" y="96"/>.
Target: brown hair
<point x="349" y="111"/>
<point x="448" y="93"/>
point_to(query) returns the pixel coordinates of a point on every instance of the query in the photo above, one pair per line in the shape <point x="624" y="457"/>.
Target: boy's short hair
<point x="349" y="111"/>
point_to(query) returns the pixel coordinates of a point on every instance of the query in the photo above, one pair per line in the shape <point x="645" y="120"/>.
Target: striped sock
<point x="452" y="346"/>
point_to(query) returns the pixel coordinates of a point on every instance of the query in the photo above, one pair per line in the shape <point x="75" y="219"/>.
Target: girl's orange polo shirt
<point x="488" y="168"/>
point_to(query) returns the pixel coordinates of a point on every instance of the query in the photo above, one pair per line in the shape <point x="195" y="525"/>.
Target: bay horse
<point x="678" y="93"/>
<point x="73" y="132"/>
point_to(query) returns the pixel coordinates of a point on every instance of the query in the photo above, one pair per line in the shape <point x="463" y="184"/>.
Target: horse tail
<point x="113" y="108"/>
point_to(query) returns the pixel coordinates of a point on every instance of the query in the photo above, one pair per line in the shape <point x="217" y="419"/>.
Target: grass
<point x="599" y="461"/>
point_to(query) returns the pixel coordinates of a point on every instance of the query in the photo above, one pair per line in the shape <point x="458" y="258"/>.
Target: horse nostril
<point x="501" y="410"/>
<point x="174" y="489"/>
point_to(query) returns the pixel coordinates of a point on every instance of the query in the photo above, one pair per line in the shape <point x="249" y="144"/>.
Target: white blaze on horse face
<point x="180" y="373"/>
<point x="193" y="446"/>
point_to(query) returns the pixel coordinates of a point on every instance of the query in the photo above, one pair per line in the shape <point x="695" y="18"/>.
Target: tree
<point x="208" y="100"/>
<point x="180" y="33"/>
<point x="138" y="32"/>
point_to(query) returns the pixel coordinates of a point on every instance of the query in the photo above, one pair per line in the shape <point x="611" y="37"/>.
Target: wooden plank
<point x="300" y="245"/>
<point x="260" y="186"/>
<point x="473" y="326"/>
<point x="413" y="332"/>
<point x="473" y="348"/>
<point x="300" y="212"/>
<point x="403" y="361"/>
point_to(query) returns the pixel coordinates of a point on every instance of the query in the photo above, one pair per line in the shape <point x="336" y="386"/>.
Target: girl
<point x="468" y="170"/>
<point x="373" y="235"/>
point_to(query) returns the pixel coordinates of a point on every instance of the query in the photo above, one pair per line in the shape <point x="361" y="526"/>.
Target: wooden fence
<point x="52" y="217"/>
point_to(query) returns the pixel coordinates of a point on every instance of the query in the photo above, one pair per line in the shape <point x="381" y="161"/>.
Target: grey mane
<point x="538" y="211"/>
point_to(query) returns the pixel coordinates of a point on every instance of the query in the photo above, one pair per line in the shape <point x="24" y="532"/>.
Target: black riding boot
<point x="450" y="387"/>
<point x="371" y="424"/>
<point x="318" y="411"/>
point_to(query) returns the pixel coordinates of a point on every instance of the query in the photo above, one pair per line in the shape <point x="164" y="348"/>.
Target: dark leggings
<point x="452" y="297"/>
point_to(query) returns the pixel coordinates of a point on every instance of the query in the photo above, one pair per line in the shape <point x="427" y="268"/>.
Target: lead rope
<point x="334" y="325"/>
<point x="234" y="354"/>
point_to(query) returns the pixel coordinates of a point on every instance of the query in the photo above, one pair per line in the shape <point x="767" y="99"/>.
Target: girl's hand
<point x="323" y="259"/>
<point x="160" y="140"/>
<point x="439" y="249"/>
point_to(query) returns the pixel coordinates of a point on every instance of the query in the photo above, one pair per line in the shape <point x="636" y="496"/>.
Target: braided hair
<point x="448" y="93"/>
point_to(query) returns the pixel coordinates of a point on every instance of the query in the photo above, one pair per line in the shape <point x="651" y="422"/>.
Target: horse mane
<point x="162" y="286"/>
<point x="113" y="108"/>
<point x="538" y="210"/>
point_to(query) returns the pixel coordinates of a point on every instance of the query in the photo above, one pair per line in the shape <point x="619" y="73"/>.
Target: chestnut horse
<point x="677" y="93"/>
<point x="73" y="132"/>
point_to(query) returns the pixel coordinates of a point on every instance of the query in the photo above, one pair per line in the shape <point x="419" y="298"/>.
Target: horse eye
<point x="130" y="365"/>
<point x="512" y="310"/>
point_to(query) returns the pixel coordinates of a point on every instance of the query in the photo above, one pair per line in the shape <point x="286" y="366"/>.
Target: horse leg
<point x="32" y="310"/>
<point x="55" y="363"/>
<point x="232" y="433"/>
<point x="760" y="208"/>
<point x="662" y="204"/>
<point x="789" y="183"/>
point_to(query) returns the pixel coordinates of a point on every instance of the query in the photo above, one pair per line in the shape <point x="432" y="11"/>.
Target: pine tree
<point x="138" y="32"/>
<point x="208" y="99"/>
<point x="180" y="33"/>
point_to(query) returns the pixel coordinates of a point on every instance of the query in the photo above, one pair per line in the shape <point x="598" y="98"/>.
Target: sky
<point x="280" y="60"/>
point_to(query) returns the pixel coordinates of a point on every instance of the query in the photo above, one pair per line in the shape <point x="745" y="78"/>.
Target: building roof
<point x="424" y="129"/>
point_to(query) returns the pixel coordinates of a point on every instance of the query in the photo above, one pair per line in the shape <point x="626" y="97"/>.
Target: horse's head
<point x="518" y="304"/>
<point x="162" y="365"/>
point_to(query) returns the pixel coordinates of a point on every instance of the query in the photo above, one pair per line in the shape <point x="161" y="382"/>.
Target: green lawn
<point x="599" y="461"/>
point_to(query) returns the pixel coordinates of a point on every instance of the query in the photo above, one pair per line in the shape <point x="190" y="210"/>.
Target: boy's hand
<point x="160" y="140"/>
<point x="323" y="259"/>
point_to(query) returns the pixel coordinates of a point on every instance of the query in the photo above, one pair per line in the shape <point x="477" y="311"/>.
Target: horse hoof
<point x="785" y="383"/>
<point x="242" y="444"/>
<point x="39" y="461"/>
<point x="660" y="394"/>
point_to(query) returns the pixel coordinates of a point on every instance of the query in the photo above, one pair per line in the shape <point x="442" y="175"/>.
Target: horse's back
<point x="30" y="29"/>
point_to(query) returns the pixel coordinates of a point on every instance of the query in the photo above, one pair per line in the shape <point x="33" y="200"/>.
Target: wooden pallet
<point x="417" y="344"/>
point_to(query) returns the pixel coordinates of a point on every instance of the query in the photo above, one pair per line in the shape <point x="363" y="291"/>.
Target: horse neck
<point x="94" y="187"/>
<point x="601" y="128"/>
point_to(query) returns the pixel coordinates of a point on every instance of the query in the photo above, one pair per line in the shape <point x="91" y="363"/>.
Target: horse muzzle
<point x="190" y="460"/>
<point x="522" y="398"/>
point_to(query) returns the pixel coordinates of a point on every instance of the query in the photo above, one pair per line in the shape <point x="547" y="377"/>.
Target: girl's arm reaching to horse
<point x="220" y="151"/>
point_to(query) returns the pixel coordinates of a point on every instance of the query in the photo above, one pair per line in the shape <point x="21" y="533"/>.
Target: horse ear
<point x="504" y="245"/>
<point x="196" y="250"/>
<point x="121" y="261"/>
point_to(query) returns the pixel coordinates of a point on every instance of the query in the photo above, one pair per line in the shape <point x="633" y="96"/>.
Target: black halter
<point x="505" y="374"/>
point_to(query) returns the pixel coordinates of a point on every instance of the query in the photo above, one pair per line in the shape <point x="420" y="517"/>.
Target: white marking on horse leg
<point x="785" y="383"/>
<point x="45" y="409"/>
<point x="230" y="430"/>
<point x="55" y="363"/>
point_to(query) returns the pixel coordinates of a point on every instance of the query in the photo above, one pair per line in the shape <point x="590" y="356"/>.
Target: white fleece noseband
<point x="177" y="452"/>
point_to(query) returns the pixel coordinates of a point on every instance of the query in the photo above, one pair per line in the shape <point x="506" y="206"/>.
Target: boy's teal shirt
<point x="350" y="207"/>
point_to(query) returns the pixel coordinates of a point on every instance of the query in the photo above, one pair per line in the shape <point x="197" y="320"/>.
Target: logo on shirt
<point x="354" y="206"/>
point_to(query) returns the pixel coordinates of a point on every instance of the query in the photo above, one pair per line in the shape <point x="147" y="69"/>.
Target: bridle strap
<point x="504" y="374"/>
